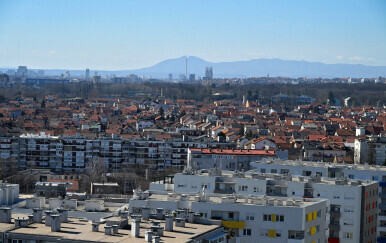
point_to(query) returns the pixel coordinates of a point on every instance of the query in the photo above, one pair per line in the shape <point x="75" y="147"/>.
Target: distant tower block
<point x="87" y="74"/>
<point x="186" y="67"/>
<point x="208" y="73"/>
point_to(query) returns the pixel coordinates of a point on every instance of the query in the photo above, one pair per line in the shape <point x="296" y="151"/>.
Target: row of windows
<point x="313" y="215"/>
<point x="273" y="218"/>
<point x="374" y="205"/>
<point x="371" y="218"/>
<point x="372" y="193"/>
<point x="347" y="235"/>
<point x="370" y="231"/>
<point x="271" y="233"/>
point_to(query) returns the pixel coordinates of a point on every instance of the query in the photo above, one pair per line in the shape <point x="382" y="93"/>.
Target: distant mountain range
<point x="241" y="69"/>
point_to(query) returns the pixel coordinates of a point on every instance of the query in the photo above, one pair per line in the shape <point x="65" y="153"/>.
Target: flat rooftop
<point x="323" y="164"/>
<point x="230" y="177"/>
<point x="80" y="230"/>
<point x="262" y="200"/>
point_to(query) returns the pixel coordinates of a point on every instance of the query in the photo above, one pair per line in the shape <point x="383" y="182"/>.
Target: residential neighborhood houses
<point x="65" y="135"/>
<point x="187" y="163"/>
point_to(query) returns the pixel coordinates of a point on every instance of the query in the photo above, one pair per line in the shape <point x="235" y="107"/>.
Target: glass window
<point x="250" y="216"/>
<point x="247" y="232"/>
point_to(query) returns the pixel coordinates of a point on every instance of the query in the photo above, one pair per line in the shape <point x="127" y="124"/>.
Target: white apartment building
<point x="247" y="218"/>
<point x="75" y="153"/>
<point x="371" y="150"/>
<point x="348" y="205"/>
<point x="352" y="171"/>
<point x="229" y="159"/>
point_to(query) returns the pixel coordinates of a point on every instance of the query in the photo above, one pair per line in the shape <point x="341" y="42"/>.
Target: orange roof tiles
<point x="234" y="151"/>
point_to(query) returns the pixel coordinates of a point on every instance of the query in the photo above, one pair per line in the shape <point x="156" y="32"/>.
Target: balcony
<point x="233" y="224"/>
<point x="381" y="240"/>
<point x="224" y="191"/>
<point x="381" y="228"/>
<point x="335" y="213"/>
<point x="382" y="206"/>
<point x="335" y="227"/>
<point x="295" y="241"/>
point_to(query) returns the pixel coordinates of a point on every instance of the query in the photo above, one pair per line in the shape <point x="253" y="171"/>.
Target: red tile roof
<point x="235" y="151"/>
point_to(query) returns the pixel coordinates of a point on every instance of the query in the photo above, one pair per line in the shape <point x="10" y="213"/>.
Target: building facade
<point x="78" y="153"/>
<point x="248" y="219"/>
<point x="331" y="170"/>
<point x="352" y="204"/>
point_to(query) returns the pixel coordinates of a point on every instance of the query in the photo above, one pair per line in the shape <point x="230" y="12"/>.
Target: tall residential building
<point x="40" y="73"/>
<point x="74" y="153"/>
<point x="351" y="203"/>
<point x="192" y="77"/>
<point x="248" y="219"/>
<point x="170" y="76"/>
<point x="67" y="74"/>
<point x="182" y="77"/>
<point x="87" y="74"/>
<point x="371" y="150"/>
<point x="332" y="170"/>
<point x="96" y="79"/>
<point x="22" y="71"/>
<point x="208" y="73"/>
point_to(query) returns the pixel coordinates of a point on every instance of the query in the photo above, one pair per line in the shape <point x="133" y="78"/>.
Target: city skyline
<point x="131" y="35"/>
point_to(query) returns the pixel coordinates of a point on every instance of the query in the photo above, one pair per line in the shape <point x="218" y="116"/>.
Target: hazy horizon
<point x="126" y="35"/>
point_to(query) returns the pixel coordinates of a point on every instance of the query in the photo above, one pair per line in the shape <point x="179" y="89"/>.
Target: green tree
<point x="43" y="105"/>
<point x="161" y="111"/>
<point x="331" y="97"/>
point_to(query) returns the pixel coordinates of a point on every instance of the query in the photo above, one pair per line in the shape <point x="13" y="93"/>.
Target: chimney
<point x="55" y="222"/>
<point x="23" y="222"/>
<point x="30" y="218"/>
<point x="145" y="213"/>
<point x="63" y="215"/>
<point x="37" y="215"/>
<point x="115" y="229"/>
<point x="17" y="222"/>
<point x="135" y="224"/>
<point x="148" y="236"/>
<point x="5" y="215"/>
<point x="95" y="226"/>
<point x="160" y="213"/>
<point x="180" y="222"/>
<point x="169" y="223"/>
<point x="108" y="230"/>
<point x="191" y="217"/>
<point x="48" y="217"/>
<point x="181" y="213"/>
<point x="156" y="239"/>
<point x="124" y="214"/>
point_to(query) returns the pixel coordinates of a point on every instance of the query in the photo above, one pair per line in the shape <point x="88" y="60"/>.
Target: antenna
<point x="186" y="68"/>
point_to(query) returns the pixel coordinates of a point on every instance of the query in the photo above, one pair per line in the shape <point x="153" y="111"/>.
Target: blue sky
<point x="132" y="34"/>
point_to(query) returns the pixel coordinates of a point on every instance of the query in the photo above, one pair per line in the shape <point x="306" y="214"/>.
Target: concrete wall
<point x="35" y="202"/>
<point x="66" y="203"/>
<point x="94" y="205"/>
